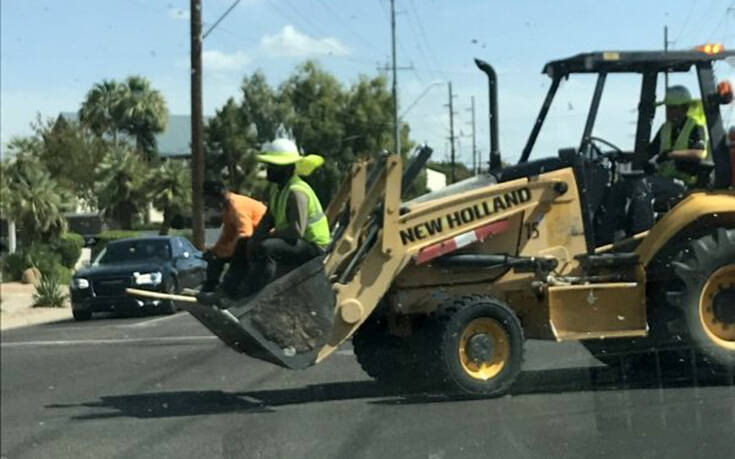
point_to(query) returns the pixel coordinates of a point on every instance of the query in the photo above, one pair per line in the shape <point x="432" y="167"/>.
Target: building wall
<point x="435" y="180"/>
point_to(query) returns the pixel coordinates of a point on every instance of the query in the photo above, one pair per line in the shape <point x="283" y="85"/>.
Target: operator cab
<point x="598" y="162"/>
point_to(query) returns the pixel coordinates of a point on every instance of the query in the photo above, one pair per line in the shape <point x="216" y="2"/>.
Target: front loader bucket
<point x="287" y="323"/>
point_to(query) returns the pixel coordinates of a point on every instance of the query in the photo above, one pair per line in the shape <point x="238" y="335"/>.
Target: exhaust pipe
<point x="492" y="81"/>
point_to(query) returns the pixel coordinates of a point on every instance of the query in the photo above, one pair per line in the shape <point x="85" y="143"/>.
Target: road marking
<point x="150" y="322"/>
<point x="82" y="342"/>
<point x="345" y="352"/>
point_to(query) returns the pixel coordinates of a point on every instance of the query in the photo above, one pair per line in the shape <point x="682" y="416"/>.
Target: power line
<point x="425" y="39"/>
<point x="344" y="23"/>
<point x="227" y="11"/>
<point x="686" y="21"/>
<point x="301" y="19"/>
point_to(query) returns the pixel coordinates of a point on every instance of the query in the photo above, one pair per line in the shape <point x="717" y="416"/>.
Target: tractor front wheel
<point x="480" y="345"/>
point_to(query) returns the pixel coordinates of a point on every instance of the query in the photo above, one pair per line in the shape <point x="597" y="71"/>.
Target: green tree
<point x="262" y="106"/>
<point x="132" y="107"/>
<point x="101" y="109"/>
<point x="323" y="116"/>
<point x="232" y="144"/>
<point x="143" y="114"/>
<point x="71" y="153"/>
<point x="31" y="197"/>
<point x="122" y="186"/>
<point x="171" y="185"/>
<point x="317" y="101"/>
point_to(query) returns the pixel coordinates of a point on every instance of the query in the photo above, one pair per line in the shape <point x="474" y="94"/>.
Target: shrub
<point x="39" y="255"/>
<point x="69" y="248"/>
<point x="13" y="266"/>
<point x="43" y="257"/>
<point x="48" y="292"/>
<point x="105" y="237"/>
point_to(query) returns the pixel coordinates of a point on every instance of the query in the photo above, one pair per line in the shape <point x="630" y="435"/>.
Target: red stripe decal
<point x="449" y="245"/>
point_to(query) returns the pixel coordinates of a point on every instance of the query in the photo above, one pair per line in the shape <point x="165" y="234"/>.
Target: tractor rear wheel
<point x="480" y="345"/>
<point x="706" y="269"/>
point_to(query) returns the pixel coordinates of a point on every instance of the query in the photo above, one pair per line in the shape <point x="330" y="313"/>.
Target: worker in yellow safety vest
<point x="294" y="229"/>
<point x="675" y="154"/>
<point x="681" y="142"/>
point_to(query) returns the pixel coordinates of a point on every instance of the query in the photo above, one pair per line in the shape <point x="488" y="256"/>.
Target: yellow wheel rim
<point x="488" y="331"/>
<point x="717" y="323"/>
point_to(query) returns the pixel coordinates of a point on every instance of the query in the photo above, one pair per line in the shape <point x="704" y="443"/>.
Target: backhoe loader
<point x="445" y="289"/>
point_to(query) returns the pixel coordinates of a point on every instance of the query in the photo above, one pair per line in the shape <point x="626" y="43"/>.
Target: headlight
<point x="147" y="278"/>
<point x="79" y="283"/>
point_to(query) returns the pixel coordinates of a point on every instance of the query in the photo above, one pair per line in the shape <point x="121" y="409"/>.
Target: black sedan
<point x="161" y="263"/>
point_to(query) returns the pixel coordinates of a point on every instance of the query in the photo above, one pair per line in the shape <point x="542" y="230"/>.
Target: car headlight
<point x="79" y="283"/>
<point x="154" y="278"/>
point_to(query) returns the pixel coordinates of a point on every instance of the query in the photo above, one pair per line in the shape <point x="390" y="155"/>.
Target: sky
<point x="53" y="51"/>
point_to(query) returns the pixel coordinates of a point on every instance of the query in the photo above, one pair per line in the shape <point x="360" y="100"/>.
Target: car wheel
<point x="170" y="307"/>
<point x="81" y="315"/>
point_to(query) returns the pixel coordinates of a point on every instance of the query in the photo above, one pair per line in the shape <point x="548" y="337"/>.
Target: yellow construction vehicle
<point x="447" y="287"/>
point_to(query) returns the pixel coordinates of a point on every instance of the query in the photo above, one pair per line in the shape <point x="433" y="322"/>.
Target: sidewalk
<point x="16" y="308"/>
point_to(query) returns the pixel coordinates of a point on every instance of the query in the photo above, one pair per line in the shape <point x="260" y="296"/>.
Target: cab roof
<point x="631" y="61"/>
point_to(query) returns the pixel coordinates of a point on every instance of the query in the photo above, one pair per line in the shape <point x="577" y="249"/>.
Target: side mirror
<point x="724" y="92"/>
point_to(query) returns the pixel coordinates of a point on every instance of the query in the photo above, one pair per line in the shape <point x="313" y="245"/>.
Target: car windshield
<point x="138" y="250"/>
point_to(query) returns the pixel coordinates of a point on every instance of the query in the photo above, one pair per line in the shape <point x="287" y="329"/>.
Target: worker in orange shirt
<point x="240" y="215"/>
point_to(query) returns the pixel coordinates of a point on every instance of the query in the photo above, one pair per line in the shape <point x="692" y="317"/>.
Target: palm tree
<point x="144" y="113"/>
<point x="31" y="197"/>
<point x="101" y="109"/>
<point x="122" y="186"/>
<point x="8" y="200"/>
<point x="171" y="190"/>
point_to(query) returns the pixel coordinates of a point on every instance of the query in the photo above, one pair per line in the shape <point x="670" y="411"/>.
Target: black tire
<point x="81" y="315"/>
<point x="381" y="355"/>
<point x="170" y="307"/>
<point x="706" y="294"/>
<point x="499" y="350"/>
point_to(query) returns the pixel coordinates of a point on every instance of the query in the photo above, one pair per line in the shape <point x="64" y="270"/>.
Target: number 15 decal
<point x="532" y="230"/>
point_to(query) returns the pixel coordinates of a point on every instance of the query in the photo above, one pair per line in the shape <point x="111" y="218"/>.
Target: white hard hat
<point x="677" y="95"/>
<point x="282" y="152"/>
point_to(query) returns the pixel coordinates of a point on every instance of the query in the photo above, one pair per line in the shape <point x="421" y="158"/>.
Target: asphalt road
<point x="164" y="387"/>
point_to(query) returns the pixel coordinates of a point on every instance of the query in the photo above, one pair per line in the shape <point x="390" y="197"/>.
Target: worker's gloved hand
<point x="208" y="256"/>
<point x="661" y="157"/>
<point x="650" y="168"/>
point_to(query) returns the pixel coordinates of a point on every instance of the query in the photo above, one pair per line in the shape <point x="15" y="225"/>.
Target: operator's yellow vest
<point x="317" y="229"/>
<point x="668" y="168"/>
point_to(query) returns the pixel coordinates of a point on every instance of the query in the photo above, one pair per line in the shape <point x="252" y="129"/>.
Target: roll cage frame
<point x="649" y="64"/>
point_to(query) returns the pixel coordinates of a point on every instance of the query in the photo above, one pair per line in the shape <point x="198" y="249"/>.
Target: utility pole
<point x="666" y="50"/>
<point x="197" y="144"/>
<point x="474" y="140"/>
<point x="451" y="132"/>
<point x="396" y="122"/>
<point x="394" y="69"/>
